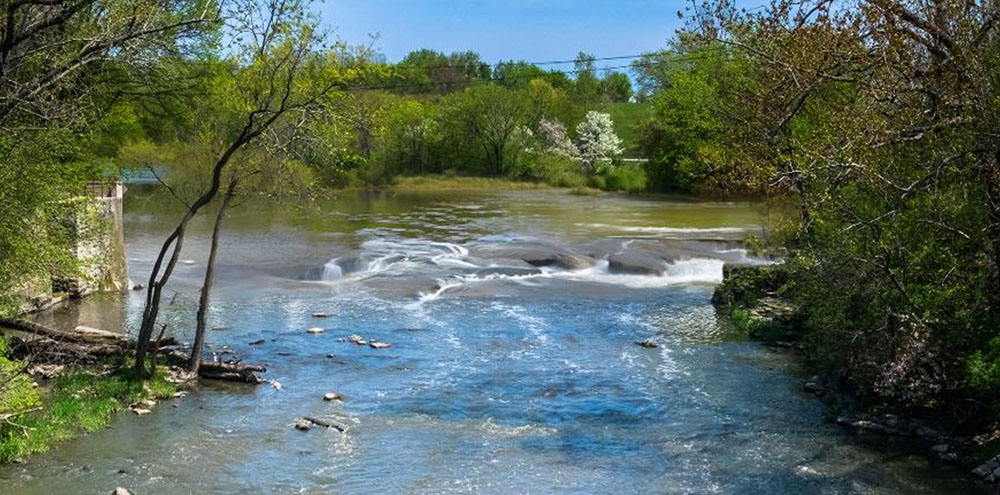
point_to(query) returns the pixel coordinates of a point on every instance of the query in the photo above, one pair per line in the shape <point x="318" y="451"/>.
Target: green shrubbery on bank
<point x="74" y="402"/>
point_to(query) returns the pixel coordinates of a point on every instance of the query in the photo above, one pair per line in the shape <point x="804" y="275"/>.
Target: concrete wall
<point x="97" y="228"/>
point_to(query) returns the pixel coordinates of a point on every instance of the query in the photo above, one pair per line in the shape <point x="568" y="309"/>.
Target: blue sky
<point x="532" y="30"/>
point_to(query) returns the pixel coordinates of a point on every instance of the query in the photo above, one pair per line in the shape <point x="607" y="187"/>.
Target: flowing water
<point x="513" y="367"/>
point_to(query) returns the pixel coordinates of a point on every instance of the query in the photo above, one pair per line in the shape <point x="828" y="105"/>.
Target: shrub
<point x="628" y="178"/>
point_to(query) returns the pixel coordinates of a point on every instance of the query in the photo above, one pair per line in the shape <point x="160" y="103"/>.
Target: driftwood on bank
<point x="83" y="335"/>
<point x="217" y="370"/>
<point x="88" y="345"/>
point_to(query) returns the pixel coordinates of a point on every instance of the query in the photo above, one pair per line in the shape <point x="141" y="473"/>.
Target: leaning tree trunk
<point x="157" y="280"/>
<point x="206" y="288"/>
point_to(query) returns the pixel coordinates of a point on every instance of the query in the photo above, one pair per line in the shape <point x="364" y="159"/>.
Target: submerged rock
<point x="258" y="342"/>
<point x="323" y="423"/>
<point x="138" y="287"/>
<point x="506" y="271"/>
<point x="648" y="344"/>
<point x="321" y="315"/>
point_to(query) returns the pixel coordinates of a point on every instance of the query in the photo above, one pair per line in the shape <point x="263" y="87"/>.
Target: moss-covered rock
<point x="756" y="298"/>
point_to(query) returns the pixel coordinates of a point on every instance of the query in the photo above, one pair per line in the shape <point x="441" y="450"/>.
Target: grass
<point x="75" y="403"/>
<point x="457" y="182"/>
<point x="626" y="116"/>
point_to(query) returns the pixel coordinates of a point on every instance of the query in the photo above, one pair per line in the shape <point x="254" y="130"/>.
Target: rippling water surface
<point x="513" y="369"/>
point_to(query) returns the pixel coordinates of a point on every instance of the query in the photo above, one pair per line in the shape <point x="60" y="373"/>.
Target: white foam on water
<point x="690" y="271"/>
<point x="332" y="271"/>
<point x="532" y="323"/>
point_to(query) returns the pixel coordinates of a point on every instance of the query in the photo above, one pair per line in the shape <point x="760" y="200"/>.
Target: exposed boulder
<point x="539" y="254"/>
<point x="636" y="263"/>
<point x="315" y="330"/>
<point x="331" y="396"/>
<point x="308" y="422"/>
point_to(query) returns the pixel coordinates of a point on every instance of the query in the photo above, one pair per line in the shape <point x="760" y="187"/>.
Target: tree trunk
<point x="206" y="288"/>
<point x="155" y="289"/>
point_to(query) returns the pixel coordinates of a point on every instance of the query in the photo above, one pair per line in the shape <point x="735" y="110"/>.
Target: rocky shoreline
<point x="756" y="299"/>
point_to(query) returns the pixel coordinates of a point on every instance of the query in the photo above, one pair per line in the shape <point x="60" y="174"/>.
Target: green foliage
<point x="17" y="390"/>
<point x="629" y="118"/>
<point x="877" y="125"/>
<point x="628" y="178"/>
<point x="683" y="138"/>
<point x="617" y="87"/>
<point x="487" y="125"/>
<point x="39" y="170"/>
<point x="76" y="402"/>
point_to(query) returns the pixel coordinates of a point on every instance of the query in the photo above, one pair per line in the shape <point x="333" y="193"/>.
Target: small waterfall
<point x="695" y="270"/>
<point x="332" y="271"/>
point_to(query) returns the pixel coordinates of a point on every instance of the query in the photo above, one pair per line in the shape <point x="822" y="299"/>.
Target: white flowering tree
<point x="553" y="134"/>
<point x="597" y="141"/>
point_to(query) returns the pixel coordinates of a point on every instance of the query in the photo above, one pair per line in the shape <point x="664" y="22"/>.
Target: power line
<point x="513" y="62"/>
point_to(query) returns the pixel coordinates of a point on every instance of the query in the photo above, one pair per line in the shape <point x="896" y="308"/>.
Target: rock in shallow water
<point x="315" y="330"/>
<point x="121" y="491"/>
<point x="636" y="263"/>
<point x="329" y="396"/>
<point x="648" y="344"/>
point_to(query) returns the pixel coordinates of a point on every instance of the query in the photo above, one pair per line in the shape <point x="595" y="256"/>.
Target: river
<point x="512" y="366"/>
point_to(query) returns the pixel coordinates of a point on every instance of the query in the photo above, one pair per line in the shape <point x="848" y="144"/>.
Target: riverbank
<point x="449" y="182"/>
<point x="53" y="404"/>
<point x="760" y="302"/>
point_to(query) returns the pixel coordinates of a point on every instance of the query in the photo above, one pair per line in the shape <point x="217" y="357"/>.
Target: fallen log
<point x="89" y="345"/>
<point x="216" y="370"/>
<point x="83" y="335"/>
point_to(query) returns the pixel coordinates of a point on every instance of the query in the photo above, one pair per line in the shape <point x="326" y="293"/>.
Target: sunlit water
<point x="504" y="376"/>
